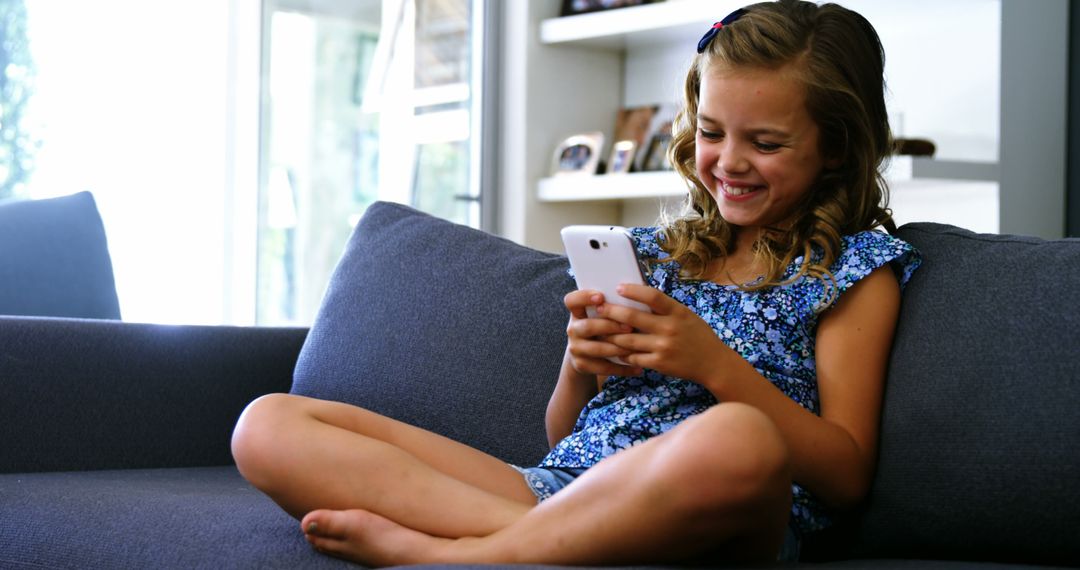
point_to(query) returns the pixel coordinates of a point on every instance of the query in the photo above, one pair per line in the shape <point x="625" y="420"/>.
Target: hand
<point x="672" y="340"/>
<point x="587" y="338"/>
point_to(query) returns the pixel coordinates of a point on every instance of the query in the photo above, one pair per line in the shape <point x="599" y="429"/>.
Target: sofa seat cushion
<point x="54" y="260"/>
<point x="147" y="518"/>
<point x="444" y="327"/>
<point x="980" y="440"/>
<point x="199" y="518"/>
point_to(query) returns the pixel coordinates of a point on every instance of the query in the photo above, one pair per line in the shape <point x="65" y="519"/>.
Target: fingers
<point x="589" y="345"/>
<point x="577" y="301"/>
<point x="609" y="368"/>
<point x="590" y="348"/>
<point x="629" y="317"/>
<point x="604" y="367"/>
<point x="586" y="328"/>
<point x="655" y="299"/>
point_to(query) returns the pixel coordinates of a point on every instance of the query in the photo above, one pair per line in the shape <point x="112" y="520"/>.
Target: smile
<point x="738" y="191"/>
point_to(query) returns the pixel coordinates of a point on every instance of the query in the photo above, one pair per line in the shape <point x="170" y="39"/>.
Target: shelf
<point x="585" y="187"/>
<point x="901" y="176"/>
<point x="664" y="22"/>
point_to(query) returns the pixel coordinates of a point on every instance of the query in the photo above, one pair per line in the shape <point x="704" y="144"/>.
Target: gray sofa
<point x="115" y="435"/>
<point x="54" y="259"/>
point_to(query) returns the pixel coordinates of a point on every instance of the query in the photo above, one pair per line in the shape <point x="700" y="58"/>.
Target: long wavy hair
<point x="838" y="56"/>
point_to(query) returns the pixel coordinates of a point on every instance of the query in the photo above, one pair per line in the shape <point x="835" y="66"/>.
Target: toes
<point x="326" y="532"/>
<point x="324" y="524"/>
<point x="329" y="546"/>
<point x="367" y="538"/>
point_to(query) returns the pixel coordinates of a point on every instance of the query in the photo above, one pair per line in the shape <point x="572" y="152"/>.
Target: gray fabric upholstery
<point x="980" y="445"/>
<point x="864" y="564"/>
<point x="201" y="518"/>
<point x="462" y="333"/>
<point x="95" y="394"/>
<point x="54" y="260"/>
<point x="444" y="327"/>
<point x="147" y="518"/>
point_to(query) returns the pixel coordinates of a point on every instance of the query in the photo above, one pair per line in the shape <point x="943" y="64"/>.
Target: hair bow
<point x="715" y="29"/>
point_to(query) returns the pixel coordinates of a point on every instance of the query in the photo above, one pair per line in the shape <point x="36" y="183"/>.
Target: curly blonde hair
<point x="837" y="54"/>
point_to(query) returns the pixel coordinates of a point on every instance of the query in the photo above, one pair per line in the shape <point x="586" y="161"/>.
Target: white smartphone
<point x="603" y="257"/>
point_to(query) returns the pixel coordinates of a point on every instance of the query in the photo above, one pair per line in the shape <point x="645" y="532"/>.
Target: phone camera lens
<point x="594" y="244"/>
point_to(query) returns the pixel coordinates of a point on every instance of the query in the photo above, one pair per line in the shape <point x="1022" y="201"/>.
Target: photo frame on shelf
<point x="622" y="156"/>
<point x="655" y="156"/>
<point x="574" y="7"/>
<point x="578" y="154"/>
<point x="633" y="124"/>
<point x="652" y="155"/>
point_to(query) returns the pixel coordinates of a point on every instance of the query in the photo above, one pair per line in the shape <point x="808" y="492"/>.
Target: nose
<point x="732" y="157"/>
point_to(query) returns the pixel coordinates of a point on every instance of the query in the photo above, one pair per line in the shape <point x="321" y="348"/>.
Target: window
<point x="362" y="101"/>
<point x="232" y="144"/>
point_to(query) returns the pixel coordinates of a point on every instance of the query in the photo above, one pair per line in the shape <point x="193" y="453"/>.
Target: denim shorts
<point x="546" y="481"/>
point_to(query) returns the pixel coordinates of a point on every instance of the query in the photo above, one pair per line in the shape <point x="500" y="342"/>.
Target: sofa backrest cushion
<point x="54" y="260"/>
<point x="980" y="442"/>
<point x="444" y="327"/>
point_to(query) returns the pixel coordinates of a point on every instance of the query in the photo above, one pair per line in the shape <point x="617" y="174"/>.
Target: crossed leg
<point x="717" y="484"/>
<point x="308" y="454"/>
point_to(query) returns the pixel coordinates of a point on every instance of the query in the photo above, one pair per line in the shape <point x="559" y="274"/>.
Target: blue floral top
<point x="773" y="329"/>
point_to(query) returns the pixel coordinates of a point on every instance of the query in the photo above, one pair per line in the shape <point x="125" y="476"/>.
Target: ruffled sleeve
<point x="866" y="251"/>
<point x="646" y="242"/>
<point x="658" y="267"/>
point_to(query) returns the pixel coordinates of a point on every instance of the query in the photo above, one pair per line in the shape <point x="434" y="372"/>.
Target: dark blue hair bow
<point x="715" y="29"/>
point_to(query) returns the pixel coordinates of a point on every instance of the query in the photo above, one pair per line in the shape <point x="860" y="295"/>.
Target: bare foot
<point x="367" y="538"/>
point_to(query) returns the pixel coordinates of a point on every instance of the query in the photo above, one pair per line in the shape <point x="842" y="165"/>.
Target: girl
<point x="750" y="405"/>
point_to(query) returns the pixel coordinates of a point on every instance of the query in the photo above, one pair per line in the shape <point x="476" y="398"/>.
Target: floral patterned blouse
<point x="773" y="329"/>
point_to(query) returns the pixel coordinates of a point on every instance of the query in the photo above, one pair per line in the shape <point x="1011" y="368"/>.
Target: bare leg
<point x="719" y="484"/>
<point x="308" y="454"/>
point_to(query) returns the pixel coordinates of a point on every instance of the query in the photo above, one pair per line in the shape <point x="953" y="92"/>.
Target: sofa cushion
<point x="147" y="518"/>
<point x="444" y="327"/>
<point x="78" y="394"/>
<point x="980" y="443"/>
<point x="204" y="518"/>
<point x="54" y="261"/>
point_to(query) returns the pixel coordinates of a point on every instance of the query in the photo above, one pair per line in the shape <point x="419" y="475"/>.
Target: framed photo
<point x="633" y="124"/>
<point x="579" y="154"/>
<point x="572" y="7"/>
<point x="655" y="156"/>
<point x="653" y="153"/>
<point x="622" y="156"/>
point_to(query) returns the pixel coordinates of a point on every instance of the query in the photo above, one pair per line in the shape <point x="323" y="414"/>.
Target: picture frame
<point x="622" y="156"/>
<point x="653" y="153"/>
<point x="578" y="154"/>
<point x="655" y="156"/>
<point x="633" y="124"/>
<point x="575" y="7"/>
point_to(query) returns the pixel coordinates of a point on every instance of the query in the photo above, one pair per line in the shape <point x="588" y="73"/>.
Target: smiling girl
<point x="748" y="411"/>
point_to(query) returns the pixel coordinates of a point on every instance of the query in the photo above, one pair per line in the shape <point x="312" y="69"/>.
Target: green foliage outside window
<point x="18" y="145"/>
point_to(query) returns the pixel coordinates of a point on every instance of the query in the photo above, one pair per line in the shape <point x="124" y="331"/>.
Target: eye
<point x="710" y="135"/>
<point x="767" y="146"/>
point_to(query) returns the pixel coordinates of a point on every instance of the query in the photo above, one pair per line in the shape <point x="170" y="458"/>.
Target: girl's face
<point x="758" y="151"/>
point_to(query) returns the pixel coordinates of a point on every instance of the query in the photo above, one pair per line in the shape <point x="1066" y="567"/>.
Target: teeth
<point x="737" y="190"/>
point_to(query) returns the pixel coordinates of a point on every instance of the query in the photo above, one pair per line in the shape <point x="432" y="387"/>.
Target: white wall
<point x="942" y="67"/>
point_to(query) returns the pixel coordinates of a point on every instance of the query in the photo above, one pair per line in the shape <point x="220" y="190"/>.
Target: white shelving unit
<point x="651" y="24"/>
<point x="579" y="70"/>
<point x="587" y="187"/>
<point x="969" y="203"/>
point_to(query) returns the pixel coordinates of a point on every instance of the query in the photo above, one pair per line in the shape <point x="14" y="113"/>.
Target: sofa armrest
<point x="79" y="394"/>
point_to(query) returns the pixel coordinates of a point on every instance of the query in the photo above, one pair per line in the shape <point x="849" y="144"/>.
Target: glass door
<point x="362" y="100"/>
